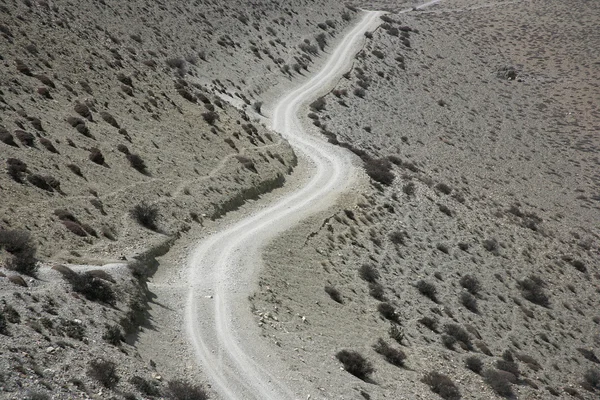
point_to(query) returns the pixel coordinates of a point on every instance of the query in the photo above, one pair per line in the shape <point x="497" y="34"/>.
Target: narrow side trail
<point x="224" y="265"/>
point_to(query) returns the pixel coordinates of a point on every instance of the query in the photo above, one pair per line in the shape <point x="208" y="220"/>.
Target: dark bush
<point x="183" y="92"/>
<point x="25" y="137"/>
<point x="113" y="335"/>
<point x="75" y="169"/>
<point x="368" y="273"/>
<point x="6" y="137"/>
<point x="380" y="170"/>
<point x="500" y="381"/>
<point x="588" y="355"/>
<point x="72" y="329"/>
<point x="409" y="189"/>
<point x="93" y="288"/>
<point x="442" y="385"/>
<point x="3" y="324"/>
<point x="108" y="118"/>
<point x="474" y="363"/>
<point x="180" y="390"/>
<point x="318" y="104"/>
<point x="532" y="289"/>
<point x="398" y="237"/>
<point x="96" y="156"/>
<point x="427" y="289"/>
<point x="459" y="334"/>
<point x="11" y="314"/>
<point x="359" y="92"/>
<point x="470" y="283"/>
<point x="137" y="163"/>
<point x="48" y="145"/>
<point x="20" y="244"/>
<point x="143" y="386"/>
<point x="430" y="323"/>
<point x="176" y="63"/>
<point x="210" y="117"/>
<point x="355" y="364"/>
<point x="388" y="312"/>
<point x="469" y="301"/>
<point x="393" y="356"/>
<point x="376" y="291"/>
<point x="75" y="228"/>
<point x="146" y="215"/>
<point x="592" y="378"/>
<point x="492" y="246"/>
<point x="104" y="372"/>
<point x="334" y="294"/>
<point x="508" y="366"/>
<point x="84" y="111"/>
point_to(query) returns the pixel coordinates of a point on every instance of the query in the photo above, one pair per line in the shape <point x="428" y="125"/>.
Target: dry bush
<point x="588" y="355"/>
<point x="48" y="145"/>
<point x="532" y="289"/>
<point x="430" y="323"/>
<point x="6" y="137"/>
<point x="96" y="156"/>
<point x="21" y="246"/>
<point x="137" y="163"/>
<point x="508" y="366"/>
<point x="109" y="119"/>
<point x="380" y="170"/>
<point x="75" y="169"/>
<point x="144" y="386"/>
<point x="427" y="289"/>
<point x="500" y="381"/>
<point x="368" y="273"/>
<point x="181" y="390"/>
<point x="16" y="169"/>
<point x="210" y="117"/>
<point x="75" y="228"/>
<point x="94" y="289"/>
<point x="318" y="104"/>
<point x="355" y="364"/>
<point x="459" y="334"/>
<point x="592" y="379"/>
<point x="84" y="111"/>
<point x="388" y="312"/>
<point x="469" y="301"/>
<point x="26" y="138"/>
<point x="104" y="372"/>
<point x="393" y="356"/>
<point x="146" y="215"/>
<point x="398" y="237"/>
<point x="474" y="363"/>
<point x="113" y="335"/>
<point x="376" y="291"/>
<point x="442" y="385"/>
<point x="334" y="294"/>
<point x="470" y="283"/>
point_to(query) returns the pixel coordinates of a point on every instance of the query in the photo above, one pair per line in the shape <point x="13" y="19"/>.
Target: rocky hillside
<point x="470" y="268"/>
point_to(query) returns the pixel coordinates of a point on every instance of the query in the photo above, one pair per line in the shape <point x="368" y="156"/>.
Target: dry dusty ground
<point x="494" y="179"/>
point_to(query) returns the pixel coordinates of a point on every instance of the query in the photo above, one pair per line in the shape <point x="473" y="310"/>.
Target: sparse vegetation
<point x="21" y="246"/>
<point x="442" y="385"/>
<point x="428" y="290"/>
<point x="532" y="289"/>
<point x="368" y="273"/>
<point x="334" y="294"/>
<point x="104" y="372"/>
<point x="474" y="363"/>
<point x="355" y="364"/>
<point x="393" y="356"/>
<point x="146" y="215"/>
<point x="182" y="390"/>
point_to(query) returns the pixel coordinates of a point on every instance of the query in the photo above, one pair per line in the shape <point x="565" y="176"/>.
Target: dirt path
<point x="223" y="267"/>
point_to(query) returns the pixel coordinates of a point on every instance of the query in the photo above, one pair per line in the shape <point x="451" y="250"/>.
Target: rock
<point x="50" y="349"/>
<point x="17" y="280"/>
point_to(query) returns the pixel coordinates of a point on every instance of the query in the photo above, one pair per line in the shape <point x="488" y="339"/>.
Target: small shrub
<point x="75" y="169"/>
<point x="180" y="390"/>
<point x="592" y="378"/>
<point x="108" y="118"/>
<point x="146" y="215"/>
<point x="359" y="92"/>
<point x="474" y="363"/>
<point x="532" y="290"/>
<point x="6" y="137"/>
<point x="442" y="385"/>
<point x="96" y="156"/>
<point x="388" y="312"/>
<point x="470" y="283"/>
<point x="93" y="288"/>
<point x="355" y="364"/>
<point x="376" y="291"/>
<point x="427" y="289"/>
<point x="20" y="244"/>
<point x="137" y="163"/>
<point x="588" y="355"/>
<point x="508" y="366"/>
<point x="318" y="104"/>
<point x="48" y="145"/>
<point x="104" y="372"/>
<point x="393" y="356"/>
<point x="84" y="111"/>
<point x="469" y="301"/>
<point x="143" y="386"/>
<point x="492" y="246"/>
<point x="368" y="273"/>
<point x="11" y="314"/>
<point x="459" y="334"/>
<point x="25" y="137"/>
<point x="430" y="323"/>
<point x="409" y="189"/>
<point x="334" y="294"/>
<point x="3" y="324"/>
<point x="113" y="335"/>
<point x="500" y="381"/>
<point x="75" y="228"/>
<point x="210" y="117"/>
<point x="380" y="170"/>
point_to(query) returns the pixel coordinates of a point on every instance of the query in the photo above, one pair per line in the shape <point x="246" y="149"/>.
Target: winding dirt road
<point x="223" y="268"/>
